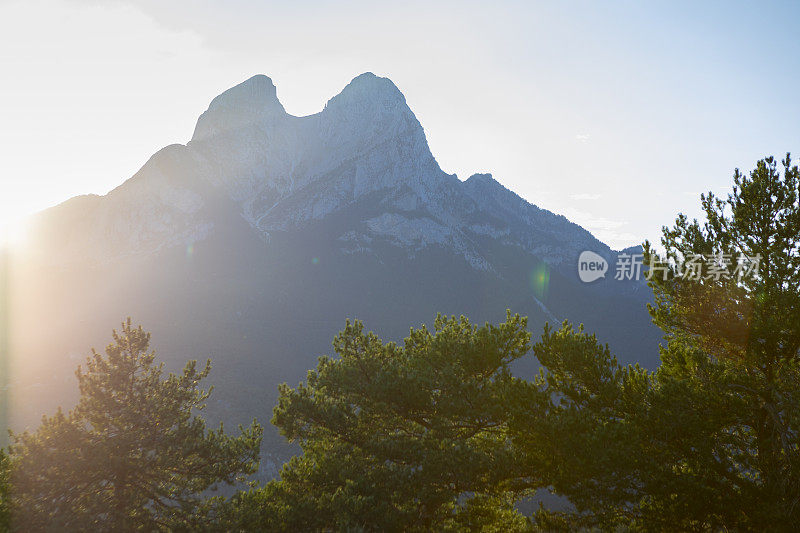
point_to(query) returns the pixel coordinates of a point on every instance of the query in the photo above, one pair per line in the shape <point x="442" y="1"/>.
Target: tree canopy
<point x="400" y="437"/>
<point x="133" y="454"/>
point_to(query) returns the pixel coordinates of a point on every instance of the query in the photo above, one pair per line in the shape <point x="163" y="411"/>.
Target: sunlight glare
<point x="13" y="231"/>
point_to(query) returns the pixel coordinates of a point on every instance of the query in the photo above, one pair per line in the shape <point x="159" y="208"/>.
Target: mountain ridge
<point x="267" y="160"/>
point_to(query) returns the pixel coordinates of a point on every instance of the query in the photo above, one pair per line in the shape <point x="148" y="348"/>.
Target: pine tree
<point x="710" y="440"/>
<point x="397" y="437"/>
<point x="747" y="328"/>
<point x="133" y="454"/>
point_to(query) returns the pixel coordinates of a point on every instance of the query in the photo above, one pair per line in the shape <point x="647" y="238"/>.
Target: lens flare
<point x="539" y="280"/>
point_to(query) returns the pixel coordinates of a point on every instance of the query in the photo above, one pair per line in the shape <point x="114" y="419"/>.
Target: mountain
<point x="253" y="242"/>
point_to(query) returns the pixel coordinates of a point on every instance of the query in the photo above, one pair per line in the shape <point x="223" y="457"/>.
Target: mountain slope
<point x="254" y="241"/>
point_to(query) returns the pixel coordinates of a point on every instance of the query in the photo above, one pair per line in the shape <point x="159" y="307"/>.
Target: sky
<point x="616" y="114"/>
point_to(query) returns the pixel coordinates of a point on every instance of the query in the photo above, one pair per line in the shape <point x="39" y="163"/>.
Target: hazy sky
<point x="615" y="114"/>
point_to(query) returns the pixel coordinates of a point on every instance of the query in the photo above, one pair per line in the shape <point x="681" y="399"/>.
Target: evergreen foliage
<point x="709" y="441"/>
<point x="132" y="455"/>
<point x="404" y="437"/>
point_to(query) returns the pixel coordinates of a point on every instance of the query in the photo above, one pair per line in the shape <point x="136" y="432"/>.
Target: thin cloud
<point x="610" y="231"/>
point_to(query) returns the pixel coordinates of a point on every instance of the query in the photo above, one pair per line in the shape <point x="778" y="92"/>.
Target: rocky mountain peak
<point x="371" y="109"/>
<point x="251" y="102"/>
<point x="368" y="90"/>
